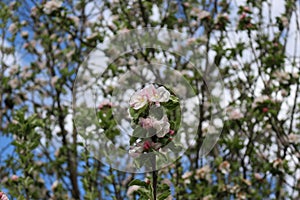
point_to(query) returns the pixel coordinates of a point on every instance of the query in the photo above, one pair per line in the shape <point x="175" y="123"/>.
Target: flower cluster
<point x="148" y="109"/>
<point x="52" y="6"/>
<point x="147" y="95"/>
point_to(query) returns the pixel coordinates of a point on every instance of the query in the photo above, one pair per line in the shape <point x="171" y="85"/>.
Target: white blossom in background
<point x="224" y="167"/>
<point x="51" y="6"/>
<point x="282" y="76"/>
<point x="235" y="114"/>
<point x="131" y="190"/>
<point x="13" y="28"/>
<point x="24" y="34"/>
<point x="295" y="75"/>
<point x="203" y="173"/>
<point x="54" y="185"/>
<point x="260" y="99"/>
<point x="54" y="80"/>
<point x="285" y="21"/>
<point x="208" y="197"/>
<point x="13" y="83"/>
<point x="294" y="138"/>
<point x="203" y="14"/>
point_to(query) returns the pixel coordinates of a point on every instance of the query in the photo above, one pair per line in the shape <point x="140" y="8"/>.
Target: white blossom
<point x="54" y="185"/>
<point x="294" y="138"/>
<point x="208" y="197"/>
<point x="235" y="114"/>
<point x="131" y="190"/>
<point x="135" y="151"/>
<point x="203" y="14"/>
<point x="285" y="21"/>
<point x="75" y="19"/>
<point x="162" y="126"/>
<point x="149" y="94"/>
<point x="138" y="100"/>
<point x="295" y="75"/>
<point x="51" y="6"/>
<point x="187" y="175"/>
<point x="13" y="28"/>
<point x="24" y="34"/>
<point x="159" y="95"/>
<point x="282" y="76"/>
<point x="54" y="80"/>
<point x="203" y="173"/>
<point x="13" y="83"/>
<point x="13" y="69"/>
<point x="260" y="99"/>
<point x="224" y="167"/>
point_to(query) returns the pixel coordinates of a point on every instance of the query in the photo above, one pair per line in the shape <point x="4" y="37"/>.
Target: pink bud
<point x="243" y="16"/>
<point x="172" y="132"/>
<point x="14" y="178"/>
<point x="246" y="9"/>
<point x="147" y="145"/>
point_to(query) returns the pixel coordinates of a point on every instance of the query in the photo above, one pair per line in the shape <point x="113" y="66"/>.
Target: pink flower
<point x="246" y="9"/>
<point x="172" y="132"/>
<point x="146" y="123"/>
<point x="3" y="196"/>
<point x="14" y="178"/>
<point x="235" y="114"/>
<point x="257" y="176"/>
<point x="161" y="126"/>
<point x="243" y="16"/>
<point x="105" y="105"/>
<point x="265" y="110"/>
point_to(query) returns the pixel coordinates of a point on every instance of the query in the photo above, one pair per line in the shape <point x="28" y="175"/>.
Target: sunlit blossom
<point x="149" y="94"/>
<point x="224" y="167"/>
<point x="51" y="6"/>
<point x="235" y="114"/>
<point x="131" y="190"/>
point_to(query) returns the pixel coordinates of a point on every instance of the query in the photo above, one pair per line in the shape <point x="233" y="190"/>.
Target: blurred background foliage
<point x="253" y="42"/>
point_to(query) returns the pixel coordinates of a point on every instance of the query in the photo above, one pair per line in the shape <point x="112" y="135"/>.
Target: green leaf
<point x="161" y="155"/>
<point x="139" y="132"/>
<point x="164" y="195"/>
